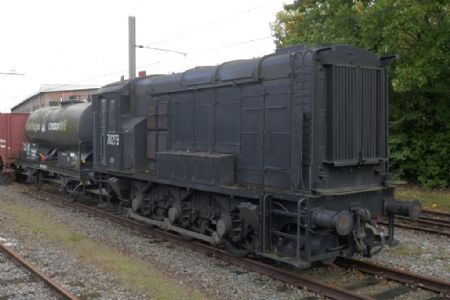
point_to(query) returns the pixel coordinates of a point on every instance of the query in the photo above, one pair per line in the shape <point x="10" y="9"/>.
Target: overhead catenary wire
<point x="189" y="31"/>
<point x="185" y="54"/>
<point x="183" y="33"/>
<point x="11" y="73"/>
<point x="161" y="49"/>
<point x="164" y="60"/>
<point x="102" y="75"/>
<point x="208" y="50"/>
<point x="231" y="45"/>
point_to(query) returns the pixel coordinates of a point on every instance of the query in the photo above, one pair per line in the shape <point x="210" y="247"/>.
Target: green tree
<point x="418" y="31"/>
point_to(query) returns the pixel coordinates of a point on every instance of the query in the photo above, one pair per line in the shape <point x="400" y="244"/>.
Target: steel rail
<point x="429" y="225"/>
<point x="418" y="228"/>
<point x="408" y="278"/>
<point x="424" y="282"/>
<point x="53" y="284"/>
<point x="425" y="221"/>
<point x="436" y="213"/>
<point x="435" y="221"/>
<point x="294" y="279"/>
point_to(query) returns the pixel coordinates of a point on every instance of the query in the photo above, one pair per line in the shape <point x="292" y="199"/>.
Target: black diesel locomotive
<point x="283" y="156"/>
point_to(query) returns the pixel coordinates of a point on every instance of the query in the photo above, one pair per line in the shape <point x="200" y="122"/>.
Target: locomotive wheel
<point x="186" y="237"/>
<point x="235" y="251"/>
<point x="137" y="203"/>
<point x="328" y="261"/>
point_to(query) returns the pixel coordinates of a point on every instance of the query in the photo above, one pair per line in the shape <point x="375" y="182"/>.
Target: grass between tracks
<point x="138" y="274"/>
<point x="434" y="199"/>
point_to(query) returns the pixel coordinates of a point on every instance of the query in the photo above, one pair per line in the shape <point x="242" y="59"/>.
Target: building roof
<point x="64" y="87"/>
<point x="48" y="88"/>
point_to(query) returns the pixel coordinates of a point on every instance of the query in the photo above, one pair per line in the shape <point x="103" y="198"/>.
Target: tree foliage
<point x="419" y="32"/>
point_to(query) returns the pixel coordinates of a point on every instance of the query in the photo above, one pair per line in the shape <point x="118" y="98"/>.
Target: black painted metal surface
<point x="311" y="120"/>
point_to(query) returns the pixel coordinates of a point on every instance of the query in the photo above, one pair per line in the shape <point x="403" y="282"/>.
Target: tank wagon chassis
<point x="283" y="156"/>
<point x="71" y="181"/>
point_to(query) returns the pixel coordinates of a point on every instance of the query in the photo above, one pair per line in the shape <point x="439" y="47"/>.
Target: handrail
<point x="299" y="207"/>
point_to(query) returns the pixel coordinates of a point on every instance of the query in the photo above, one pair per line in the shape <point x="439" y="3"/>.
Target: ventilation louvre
<point x="356" y="113"/>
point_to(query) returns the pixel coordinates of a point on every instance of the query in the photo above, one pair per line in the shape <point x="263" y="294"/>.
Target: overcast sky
<point x="86" y="41"/>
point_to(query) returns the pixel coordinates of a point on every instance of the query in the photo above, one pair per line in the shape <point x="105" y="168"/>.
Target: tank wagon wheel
<point x="75" y="197"/>
<point x="4" y="179"/>
<point x="36" y="180"/>
<point x="38" y="185"/>
<point x="13" y="176"/>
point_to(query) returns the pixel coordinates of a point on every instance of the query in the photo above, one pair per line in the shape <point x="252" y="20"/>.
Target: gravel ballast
<point x="418" y="252"/>
<point x="211" y="277"/>
<point x="16" y="282"/>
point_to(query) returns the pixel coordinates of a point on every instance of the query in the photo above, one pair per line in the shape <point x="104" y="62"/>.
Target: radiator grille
<point x="356" y="115"/>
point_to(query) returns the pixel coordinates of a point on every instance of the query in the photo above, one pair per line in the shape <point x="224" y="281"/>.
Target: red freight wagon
<point x="12" y="137"/>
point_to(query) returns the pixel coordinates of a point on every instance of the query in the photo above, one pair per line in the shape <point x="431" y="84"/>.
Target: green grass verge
<point x="434" y="199"/>
<point x="136" y="273"/>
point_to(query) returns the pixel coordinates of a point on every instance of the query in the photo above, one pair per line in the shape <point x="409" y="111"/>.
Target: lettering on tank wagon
<point x="2" y="143"/>
<point x="112" y="139"/>
<point x="51" y="126"/>
<point x="57" y="126"/>
<point x="33" y="126"/>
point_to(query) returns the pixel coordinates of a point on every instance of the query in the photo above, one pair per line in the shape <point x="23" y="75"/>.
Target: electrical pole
<point x="132" y="47"/>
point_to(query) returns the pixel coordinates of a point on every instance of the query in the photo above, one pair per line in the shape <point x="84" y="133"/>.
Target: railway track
<point x="20" y="279"/>
<point x="403" y="282"/>
<point x="431" y="221"/>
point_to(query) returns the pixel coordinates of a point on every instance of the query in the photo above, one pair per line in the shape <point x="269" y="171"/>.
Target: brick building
<point x="52" y="94"/>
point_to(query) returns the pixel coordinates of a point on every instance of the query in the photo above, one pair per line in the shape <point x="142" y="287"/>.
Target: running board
<point x="214" y="239"/>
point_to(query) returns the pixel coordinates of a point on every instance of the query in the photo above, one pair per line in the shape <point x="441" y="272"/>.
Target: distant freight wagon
<point x="12" y="137"/>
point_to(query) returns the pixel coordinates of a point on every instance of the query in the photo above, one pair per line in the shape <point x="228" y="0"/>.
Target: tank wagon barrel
<point x="61" y="126"/>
